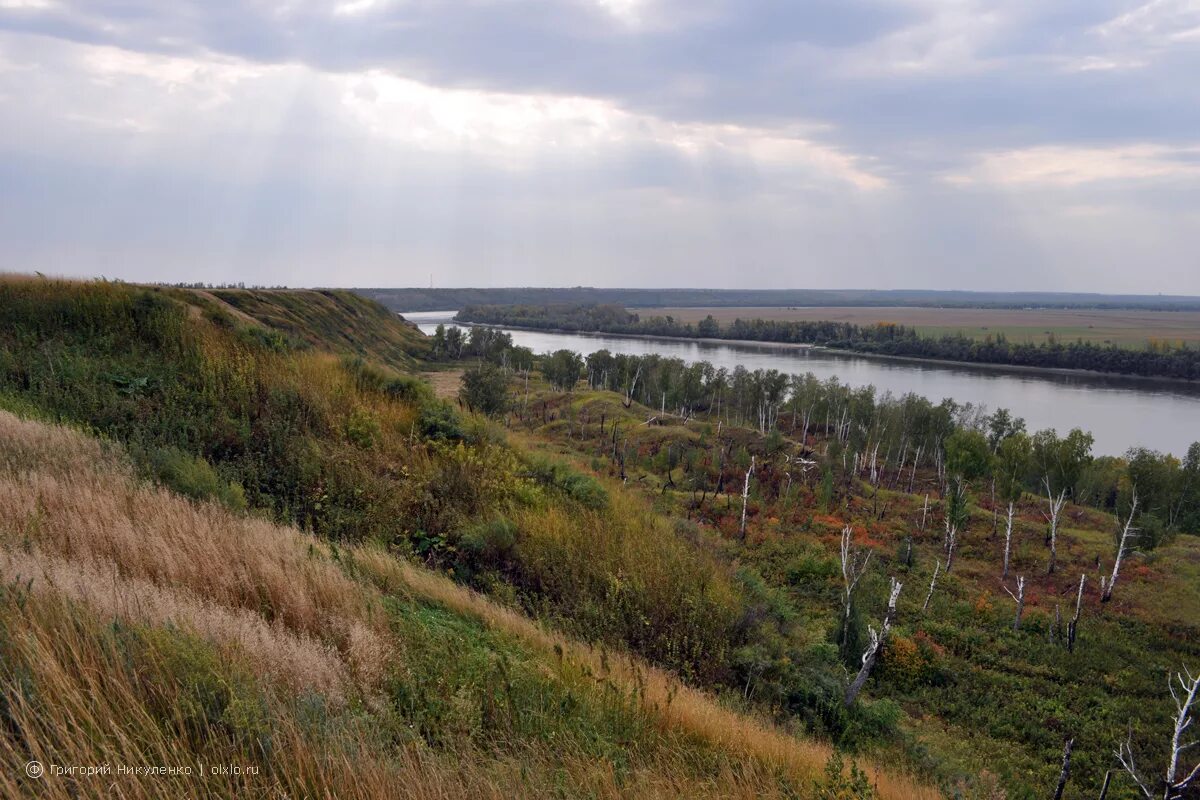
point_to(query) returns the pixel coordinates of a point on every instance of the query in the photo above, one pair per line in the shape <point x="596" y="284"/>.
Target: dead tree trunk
<point x="932" y="583"/>
<point x="878" y="638"/>
<point x="1019" y="597"/>
<point x="1056" y="504"/>
<point x="1007" y="542"/>
<point x="1065" y="772"/>
<point x="1122" y="551"/>
<point x="853" y="567"/>
<point x="1176" y="779"/>
<point x="1073" y="625"/>
<point x="745" y="499"/>
<point x="951" y="541"/>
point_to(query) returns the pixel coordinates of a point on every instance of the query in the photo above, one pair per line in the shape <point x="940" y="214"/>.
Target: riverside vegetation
<point x="1158" y="359"/>
<point x="283" y="550"/>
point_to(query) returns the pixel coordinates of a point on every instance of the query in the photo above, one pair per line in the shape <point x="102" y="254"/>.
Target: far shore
<point x="936" y="362"/>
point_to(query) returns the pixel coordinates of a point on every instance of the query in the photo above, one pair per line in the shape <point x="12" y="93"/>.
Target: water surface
<point x="1119" y="412"/>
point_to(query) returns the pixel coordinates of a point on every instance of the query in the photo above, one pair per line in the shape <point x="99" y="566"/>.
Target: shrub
<point x="440" y="422"/>
<point x="836" y="784"/>
<point x="194" y="477"/>
<point x="581" y="488"/>
<point x="362" y="428"/>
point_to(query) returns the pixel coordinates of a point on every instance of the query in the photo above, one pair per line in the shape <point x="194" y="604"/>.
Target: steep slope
<point x="328" y="319"/>
<point x="144" y="630"/>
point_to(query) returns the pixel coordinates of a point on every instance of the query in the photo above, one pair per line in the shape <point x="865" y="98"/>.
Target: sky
<point x="940" y="144"/>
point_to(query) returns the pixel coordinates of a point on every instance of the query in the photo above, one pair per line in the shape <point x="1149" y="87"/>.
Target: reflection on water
<point x="1119" y="412"/>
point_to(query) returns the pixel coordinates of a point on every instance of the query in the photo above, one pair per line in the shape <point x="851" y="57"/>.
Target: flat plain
<point x="1126" y="327"/>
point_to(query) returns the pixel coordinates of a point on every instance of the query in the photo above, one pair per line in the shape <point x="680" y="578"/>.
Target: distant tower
<point x="431" y="280"/>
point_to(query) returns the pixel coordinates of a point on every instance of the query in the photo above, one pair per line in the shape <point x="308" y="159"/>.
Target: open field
<point x="1122" y="327"/>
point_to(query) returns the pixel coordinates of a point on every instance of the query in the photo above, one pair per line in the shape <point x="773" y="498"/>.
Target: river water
<point x="1119" y="412"/>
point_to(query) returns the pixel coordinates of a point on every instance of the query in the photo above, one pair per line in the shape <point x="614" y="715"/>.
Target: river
<point x="1119" y="412"/>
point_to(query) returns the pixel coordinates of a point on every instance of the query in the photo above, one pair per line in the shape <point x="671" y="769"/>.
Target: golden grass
<point x="84" y="522"/>
<point x="101" y="546"/>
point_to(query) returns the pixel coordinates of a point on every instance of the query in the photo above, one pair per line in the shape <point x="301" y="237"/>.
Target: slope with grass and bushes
<point x="144" y="630"/>
<point x="316" y="650"/>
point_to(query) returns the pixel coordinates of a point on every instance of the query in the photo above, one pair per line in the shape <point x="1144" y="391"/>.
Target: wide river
<point x="1119" y="412"/>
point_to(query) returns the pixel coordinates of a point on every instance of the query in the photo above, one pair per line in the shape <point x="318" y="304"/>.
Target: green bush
<point x="838" y="785"/>
<point x="439" y="421"/>
<point x="194" y="477"/>
<point x="581" y="488"/>
<point x="362" y="428"/>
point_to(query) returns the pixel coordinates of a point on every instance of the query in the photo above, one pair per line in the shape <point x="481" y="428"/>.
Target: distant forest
<point x="1159" y="360"/>
<point x="414" y="299"/>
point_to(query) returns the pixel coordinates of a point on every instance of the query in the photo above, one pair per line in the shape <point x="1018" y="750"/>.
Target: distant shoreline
<point x="1011" y="368"/>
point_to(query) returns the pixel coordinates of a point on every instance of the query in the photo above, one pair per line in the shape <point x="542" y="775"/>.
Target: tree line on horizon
<point x="1157" y="359"/>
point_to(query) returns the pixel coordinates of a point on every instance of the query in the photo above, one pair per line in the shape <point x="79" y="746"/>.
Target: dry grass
<point x="99" y="546"/>
<point x="81" y="521"/>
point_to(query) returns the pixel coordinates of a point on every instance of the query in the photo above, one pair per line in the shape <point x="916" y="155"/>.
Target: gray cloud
<point x="894" y="142"/>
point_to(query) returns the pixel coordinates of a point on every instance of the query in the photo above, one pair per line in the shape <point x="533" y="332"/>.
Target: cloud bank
<point x="861" y="143"/>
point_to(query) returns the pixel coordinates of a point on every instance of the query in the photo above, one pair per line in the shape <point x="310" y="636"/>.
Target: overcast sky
<point x="1040" y="144"/>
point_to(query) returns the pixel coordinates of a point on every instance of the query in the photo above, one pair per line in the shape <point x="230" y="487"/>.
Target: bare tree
<point x="932" y="583"/>
<point x="878" y="638"/>
<point x="951" y="541"/>
<point x="853" y="566"/>
<point x="1065" y="771"/>
<point x="1007" y="542"/>
<point x="1056" y="504"/>
<point x="1020" y="598"/>
<point x="1176" y="779"/>
<point x="1073" y="625"/>
<point x="1122" y="550"/>
<point x="628" y="401"/>
<point x="745" y="499"/>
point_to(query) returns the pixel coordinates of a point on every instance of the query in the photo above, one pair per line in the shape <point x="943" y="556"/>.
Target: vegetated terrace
<point x="1103" y="326"/>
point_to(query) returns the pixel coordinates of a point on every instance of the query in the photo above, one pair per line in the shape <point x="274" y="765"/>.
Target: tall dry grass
<point x="73" y="517"/>
<point x="101" y="546"/>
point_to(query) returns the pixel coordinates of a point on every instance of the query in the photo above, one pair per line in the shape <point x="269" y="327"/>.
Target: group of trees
<point x="992" y="454"/>
<point x="1160" y="360"/>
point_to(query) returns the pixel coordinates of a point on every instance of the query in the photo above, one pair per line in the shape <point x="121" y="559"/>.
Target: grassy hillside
<point x="328" y="319"/>
<point x="232" y="574"/>
<point x="142" y="629"/>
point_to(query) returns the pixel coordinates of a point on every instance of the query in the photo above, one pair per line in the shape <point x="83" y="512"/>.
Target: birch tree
<point x="853" y="566"/>
<point x="1019" y="597"/>
<point x="932" y="583"/>
<point x="1008" y="528"/>
<point x="1127" y="533"/>
<point x="1056" y="504"/>
<point x="1073" y="625"/>
<point x="878" y="638"/>
<point x="1176" y="779"/>
<point x="745" y="498"/>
